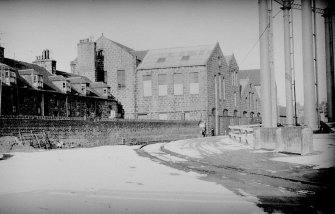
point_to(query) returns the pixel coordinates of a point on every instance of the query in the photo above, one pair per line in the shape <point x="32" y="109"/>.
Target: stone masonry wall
<point x="177" y="107"/>
<point x="86" y="59"/>
<point x="95" y="133"/>
<point x="214" y="70"/>
<point x="117" y="58"/>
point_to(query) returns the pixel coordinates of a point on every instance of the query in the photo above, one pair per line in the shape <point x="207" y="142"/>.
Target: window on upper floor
<point x="178" y="88"/>
<point x="64" y="85"/>
<point x="147" y="88"/>
<point x="194" y="83"/>
<point x="121" y="79"/>
<point x="223" y="88"/>
<point x="161" y="59"/>
<point x="162" y="85"/>
<point x="34" y="78"/>
<point x="185" y="58"/>
<point x="105" y="91"/>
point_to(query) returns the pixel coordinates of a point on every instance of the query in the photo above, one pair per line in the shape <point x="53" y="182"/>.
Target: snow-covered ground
<point x="200" y="147"/>
<point x="322" y="157"/>
<point x="49" y="180"/>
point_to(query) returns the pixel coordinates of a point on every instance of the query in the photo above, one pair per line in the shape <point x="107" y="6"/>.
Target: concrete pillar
<point x="264" y="64"/>
<point x="216" y="94"/>
<point x="272" y="68"/>
<point x="310" y="113"/>
<point x="288" y="72"/>
<point x="329" y="39"/>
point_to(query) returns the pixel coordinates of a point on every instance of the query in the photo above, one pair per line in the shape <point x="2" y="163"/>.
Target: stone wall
<point x="93" y="133"/>
<point x="177" y="107"/>
<point x="117" y="58"/>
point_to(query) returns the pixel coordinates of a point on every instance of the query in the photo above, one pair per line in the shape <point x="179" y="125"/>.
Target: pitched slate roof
<point x="99" y="85"/>
<point x="6" y="67"/>
<point x="47" y="84"/>
<point x="78" y="80"/>
<point x="129" y="50"/>
<point x="28" y="72"/>
<point x="177" y="57"/>
<point x="253" y="75"/>
<point x="139" y="54"/>
<point x="56" y="78"/>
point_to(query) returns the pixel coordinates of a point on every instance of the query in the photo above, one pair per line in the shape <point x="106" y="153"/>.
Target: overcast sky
<point x="27" y="27"/>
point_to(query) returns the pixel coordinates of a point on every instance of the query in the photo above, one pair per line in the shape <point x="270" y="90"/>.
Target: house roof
<point x="28" y="72"/>
<point x="6" y="67"/>
<point x="253" y="75"/>
<point x="56" y="78"/>
<point x="47" y="84"/>
<point x="78" y="80"/>
<point x="99" y="85"/>
<point x="177" y="57"/>
<point x="139" y="54"/>
<point x="129" y="50"/>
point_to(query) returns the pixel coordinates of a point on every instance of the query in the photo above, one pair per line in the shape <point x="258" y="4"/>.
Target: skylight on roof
<point x="162" y="59"/>
<point x="185" y="58"/>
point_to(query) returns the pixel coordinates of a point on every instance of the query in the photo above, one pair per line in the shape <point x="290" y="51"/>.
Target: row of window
<point x="178" y="87"/>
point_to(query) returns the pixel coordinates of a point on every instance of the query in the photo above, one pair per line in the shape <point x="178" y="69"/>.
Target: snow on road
<point x="86" y="179"/>
<point x="200" y="147"/>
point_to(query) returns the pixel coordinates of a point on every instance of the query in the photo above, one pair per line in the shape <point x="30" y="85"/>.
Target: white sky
<point x="28" y="27"/>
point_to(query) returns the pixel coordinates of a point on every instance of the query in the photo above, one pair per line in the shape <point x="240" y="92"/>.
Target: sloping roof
<point x="56" y="78"/>
<point x="6" y="67"/>
<point x="253" y="75"/>
<point x="28" y="72"/>
<point x="129" y="50"/>
<point x="47" y="84"/>
<point x="78" y="80"/>
<point x="139" y="54"/>
<point x="177" y="57"/>
<point x="228" y="58"/>
<point x="99" y="85"/>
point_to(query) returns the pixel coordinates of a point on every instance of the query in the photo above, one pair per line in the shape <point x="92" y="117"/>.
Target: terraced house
<point x="39" y="89"/>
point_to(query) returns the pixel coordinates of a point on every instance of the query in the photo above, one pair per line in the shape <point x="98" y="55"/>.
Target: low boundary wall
<point x="284" y="139"/>
<point x="93" y="133"/>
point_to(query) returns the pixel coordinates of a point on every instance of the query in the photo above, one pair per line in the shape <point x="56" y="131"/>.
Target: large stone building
<point x="189" y="83"/>
<point x="250" y="105"/>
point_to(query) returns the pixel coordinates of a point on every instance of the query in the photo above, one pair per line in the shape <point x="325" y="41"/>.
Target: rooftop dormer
<point x="34" y="78"/>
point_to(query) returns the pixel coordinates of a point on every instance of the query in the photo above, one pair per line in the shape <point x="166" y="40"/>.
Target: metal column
<point x="329" y="28"/>
<point x="310" y="115"/>
<point x="264" y="64"/>
<point x="288" y="73"/>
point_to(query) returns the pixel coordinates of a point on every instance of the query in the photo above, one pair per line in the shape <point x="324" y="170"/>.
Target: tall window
<point x="224" y="88"/>
<point x="194" y="83"/>
<point x="235" y="99"/>
<point x="121" y="79"/>
<point x="178" y="88"/>
<point x="162" y="85"/>
<point x="147" y="86"/>
<point x="220" y="87"/>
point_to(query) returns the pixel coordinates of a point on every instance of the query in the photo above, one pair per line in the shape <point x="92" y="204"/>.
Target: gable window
<point x="162" y="85"/>
<point x="178" y="88"/>
<point x="121" y="79"/>
<point x="35" y="78"/>
<point x="161" y="59"/>
<point x="194" y="83"/>
<point x="147" y="86"/>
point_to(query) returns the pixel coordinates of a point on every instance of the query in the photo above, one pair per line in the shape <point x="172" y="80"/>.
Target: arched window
<point x="251" y="114"/>
<point x="225" y="112"/>
<point x="213" y="111"/>
<point x="245" y="114"/>
<point x="235" y="113"/>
